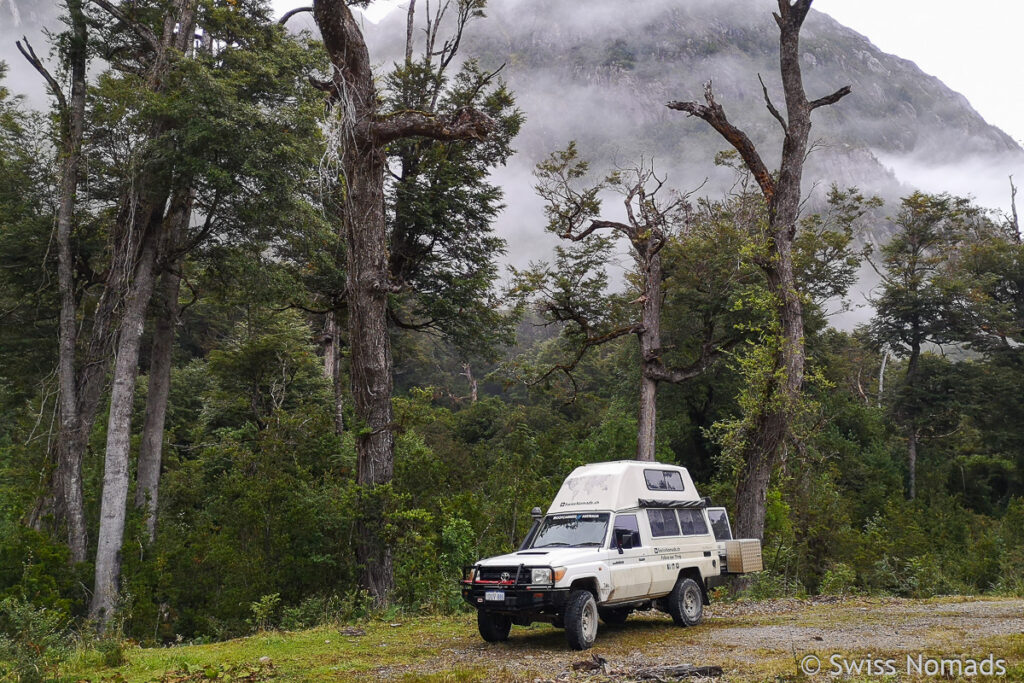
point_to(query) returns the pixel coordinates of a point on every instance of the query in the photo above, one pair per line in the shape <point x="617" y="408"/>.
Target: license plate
<point x="495" y="595"/>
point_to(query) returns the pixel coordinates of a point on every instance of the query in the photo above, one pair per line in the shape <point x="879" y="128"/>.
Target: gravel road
<point x="751" y="641"/>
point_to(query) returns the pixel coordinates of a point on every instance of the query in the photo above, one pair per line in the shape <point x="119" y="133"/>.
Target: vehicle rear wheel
<point x="614" y="615"/>
<point x="493" y="627"/>
<point x="686" y="603"/>
<point x="581" y="619"/>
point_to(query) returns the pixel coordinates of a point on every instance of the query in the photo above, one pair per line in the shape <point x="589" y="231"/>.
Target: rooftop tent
<point x="625" y="485"/>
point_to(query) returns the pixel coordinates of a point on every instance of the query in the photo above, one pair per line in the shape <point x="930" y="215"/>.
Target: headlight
<point x="540" y="576"/>
<point x="469" y="574"/>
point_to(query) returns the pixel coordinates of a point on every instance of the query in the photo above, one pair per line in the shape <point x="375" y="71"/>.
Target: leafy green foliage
<point x="32" y="642"/>
<point x="441" y="207"/>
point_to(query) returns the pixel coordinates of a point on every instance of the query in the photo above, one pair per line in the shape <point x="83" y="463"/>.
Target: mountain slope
<point x="601" y="72"/>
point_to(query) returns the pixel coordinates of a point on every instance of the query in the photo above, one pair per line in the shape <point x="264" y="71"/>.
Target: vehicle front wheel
<point x="493" y="627"/>
<point x="581" y="619"/>
<point x="614" y="615"/>
<point x="686" y="603"/>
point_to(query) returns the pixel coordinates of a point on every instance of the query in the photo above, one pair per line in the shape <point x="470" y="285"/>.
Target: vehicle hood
<point x="545" y="557"/>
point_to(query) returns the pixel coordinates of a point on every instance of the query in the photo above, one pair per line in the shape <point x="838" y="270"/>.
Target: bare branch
<point x="713" y="113"/>
<point x="771" y="107"/>
<point x="484" y="81"/>
<point x="585" y="345"/>
<point x="139" y="28"/>
<point x="464" y="124"/>
<point x="292" y="12"/>
<point x="709" y="354"/>
<point x="597" y="225"/>
<point x="405" y="325"/>
<point x="410" y="17"/>
<point x="37" y="64"/>
<point x="830" y="99"/>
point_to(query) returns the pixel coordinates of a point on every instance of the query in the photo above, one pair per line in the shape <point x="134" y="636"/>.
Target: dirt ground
<point x="750" y="641"/>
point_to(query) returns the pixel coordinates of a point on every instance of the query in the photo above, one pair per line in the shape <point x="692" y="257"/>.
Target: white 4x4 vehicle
<point x="619" y="536"/>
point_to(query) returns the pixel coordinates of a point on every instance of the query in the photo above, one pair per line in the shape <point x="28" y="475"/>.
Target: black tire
<point x="614" y="616"/>
<point x="493" y="627"/>
<point x="686" y="602"/>
<point x="581" y="619"/>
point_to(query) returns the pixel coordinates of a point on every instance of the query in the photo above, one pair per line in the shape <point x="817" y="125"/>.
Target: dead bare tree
<point x="766" y="441"/>
<point x="362" y="136"/>
<point x="651" y="221"/>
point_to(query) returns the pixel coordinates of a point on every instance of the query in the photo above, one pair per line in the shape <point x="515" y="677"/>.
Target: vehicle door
<point x="630" y="574"/>
<point x="666" y="551"/>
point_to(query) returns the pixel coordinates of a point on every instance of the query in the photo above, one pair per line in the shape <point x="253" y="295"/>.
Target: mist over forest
<point x="602" y="76"/>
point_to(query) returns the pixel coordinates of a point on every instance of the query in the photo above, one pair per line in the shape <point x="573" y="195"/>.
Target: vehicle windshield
<point x="572" y="530"/>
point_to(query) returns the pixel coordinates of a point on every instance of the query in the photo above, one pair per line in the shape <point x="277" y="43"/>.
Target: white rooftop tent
<point x="623" y="485"/>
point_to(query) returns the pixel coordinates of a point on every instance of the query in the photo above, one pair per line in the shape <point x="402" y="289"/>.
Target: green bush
<point x="319" y="610"/>
<point x="32" y="640"/>
<point x="839" y="579"/>
<point x="264" y="611"/>
<point x="768" y="585"/>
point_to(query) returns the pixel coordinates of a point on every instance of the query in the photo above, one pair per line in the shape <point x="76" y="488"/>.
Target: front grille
<point x="503" y="575"/>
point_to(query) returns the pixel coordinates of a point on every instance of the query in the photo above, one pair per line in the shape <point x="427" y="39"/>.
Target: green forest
<point x="262" y="364"/>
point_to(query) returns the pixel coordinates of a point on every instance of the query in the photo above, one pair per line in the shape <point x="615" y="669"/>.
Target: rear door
<point x="630" y="573"/>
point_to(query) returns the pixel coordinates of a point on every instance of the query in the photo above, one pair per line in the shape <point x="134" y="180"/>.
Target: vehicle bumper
<point x="517" y="600"/>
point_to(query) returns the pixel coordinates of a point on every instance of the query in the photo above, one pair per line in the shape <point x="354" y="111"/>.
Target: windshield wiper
<point x="552" y="545"/>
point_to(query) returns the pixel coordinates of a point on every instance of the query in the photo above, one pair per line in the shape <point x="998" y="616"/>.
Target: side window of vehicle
<point x="692" y="522"/>
<point x="627" y="532"/>
<point x="720" y="524"/>
<point x="663" y="523"/>
<point x="663" y="480"/>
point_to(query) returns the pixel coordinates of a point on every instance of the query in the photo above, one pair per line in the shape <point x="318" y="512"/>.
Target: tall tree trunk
<point x="142" y="213"/>
<point x="332" y="368"/>
<point x="69" y="464"/>
<point x="910" y="380"/>
<point x="467" y="372"/>
<point x="151" y="447"/>
<point x="370" y="362"/>
<point x="365" y="137"/>
<point x="646" y="419"/>
<point x="64" y="500"/>
<point x="912" y="462"/>
<point x="650" y="354"/>
<point x="770" y="429"/>
<point x="166" y="320"/>
<point x="113" y="506"/>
